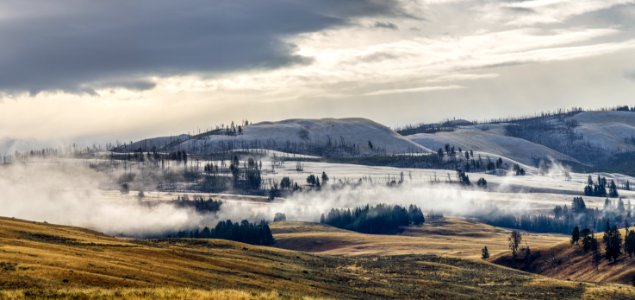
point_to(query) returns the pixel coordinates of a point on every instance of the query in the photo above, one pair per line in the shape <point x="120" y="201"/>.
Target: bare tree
<point x="515" y="238"/>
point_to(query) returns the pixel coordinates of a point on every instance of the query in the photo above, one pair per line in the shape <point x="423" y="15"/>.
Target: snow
<point x="491" y="141"/>
<point x="305" y="133"/>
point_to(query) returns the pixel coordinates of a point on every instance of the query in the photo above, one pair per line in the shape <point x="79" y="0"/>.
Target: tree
<point x="485" y="253"/>
<point x="440" y="153"/>
<point x="311" y="180"/>
<point x="587" y="240"/>
<point x="370" y="145"/>
<point x="575" y="235"/>
<point x="515" y="238"/>
<point x="481" y="182"/>
<point x="325" y="178"/>
<point x="285" y="183"/>
<point x="629" y="243"/>
<point x="280" y="217"/>
<point x="613" y="244"/>
<point x="613" y="190"/>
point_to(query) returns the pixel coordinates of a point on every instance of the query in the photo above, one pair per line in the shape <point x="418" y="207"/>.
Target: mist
<point x="66" y="193"/>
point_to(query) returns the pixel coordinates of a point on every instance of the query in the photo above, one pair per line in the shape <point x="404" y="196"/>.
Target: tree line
<point x="244" y="232"/>
<point x="379" y="219"/>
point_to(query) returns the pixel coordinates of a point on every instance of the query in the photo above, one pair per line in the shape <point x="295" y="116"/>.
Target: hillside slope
<point x="353" y="136"/>
<point x="47" y="260"/>
<point x="490" y="140"/>
<point x="593" y="138"/>
<point x="564" y="261"/>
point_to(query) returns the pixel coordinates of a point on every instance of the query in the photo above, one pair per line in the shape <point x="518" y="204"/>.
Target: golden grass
<point x="570" y="262"/>
<point x="46" y="261"/>
<point x="453" y="237"/>
<point x="148" y="293"/>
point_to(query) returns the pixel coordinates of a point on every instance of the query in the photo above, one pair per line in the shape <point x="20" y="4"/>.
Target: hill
<point x="324" y="137"/>
<point x="449" y="237"/>
<point x="586" y="140"/>
<point x="42" y="260"/>
<point x="564" y="261"/>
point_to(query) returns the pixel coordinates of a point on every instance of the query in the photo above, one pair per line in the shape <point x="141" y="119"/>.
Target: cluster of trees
<point x="614" y="246"/>
<point x="564" y="218"/>
<point x="199" y="203"/>
<point x="314" y="181"/>
<point x="379" y="219"/>
<point x="280" y="217"/>
<point x="519" y="171"/>
<point x="599" y="188"/>
<point x="248" y="177"/>
<point x="245" y="232"/>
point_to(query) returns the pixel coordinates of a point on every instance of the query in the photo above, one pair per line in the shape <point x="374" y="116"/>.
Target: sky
<point x="127" y="69"/>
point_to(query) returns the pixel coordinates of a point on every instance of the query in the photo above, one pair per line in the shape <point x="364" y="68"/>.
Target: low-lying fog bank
<point x="70" y="193"/>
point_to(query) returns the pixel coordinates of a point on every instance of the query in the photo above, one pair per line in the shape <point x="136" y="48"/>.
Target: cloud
<point x="77" y="46"/>
<point x="385" y="25"/>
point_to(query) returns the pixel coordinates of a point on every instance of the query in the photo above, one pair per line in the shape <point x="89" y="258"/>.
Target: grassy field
<point x="450" y="237"/>
<point x="41" y="260"/>
<point x="570" y="262"/>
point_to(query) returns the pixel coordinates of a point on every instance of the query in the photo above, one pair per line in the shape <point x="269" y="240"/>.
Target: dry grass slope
<point x="564" y="261"/>
<point x="42" y="260"/>
<point x="453" y="236"/>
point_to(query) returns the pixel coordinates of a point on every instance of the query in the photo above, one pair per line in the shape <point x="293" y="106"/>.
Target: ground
<point x="455" y="237"/>
<point x="570" y="262"/>
<point x="41" y="260"/>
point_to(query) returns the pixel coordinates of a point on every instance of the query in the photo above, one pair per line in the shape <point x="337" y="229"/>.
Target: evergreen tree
<point x="629" y="243"/>
<point x="587" y="240"/>
<point x="325" y="178"/>
<point x="484" y="253"/>
<point x="614" y="244"/>
<point x="575" y="235"/>
<point x="613" y="190"/>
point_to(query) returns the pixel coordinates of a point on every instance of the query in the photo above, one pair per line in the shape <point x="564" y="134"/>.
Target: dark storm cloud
<point x="77" y="46"/>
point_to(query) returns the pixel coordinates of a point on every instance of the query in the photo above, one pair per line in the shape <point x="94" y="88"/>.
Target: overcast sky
<point x="125" y="69"/>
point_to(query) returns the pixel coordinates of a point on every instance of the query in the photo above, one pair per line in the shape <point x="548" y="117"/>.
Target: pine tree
<point x="613" y="244"/>
<point x="613" y="190"/>
<point x="485" y="253"/>
<point x="575" y="235"/>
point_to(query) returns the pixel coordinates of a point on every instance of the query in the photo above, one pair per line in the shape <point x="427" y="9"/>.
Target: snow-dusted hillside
<point x="610" y="130"/>
<point x="587" y="138"/>
<point x="490" y="140"/>
<point x="354" y="136"/>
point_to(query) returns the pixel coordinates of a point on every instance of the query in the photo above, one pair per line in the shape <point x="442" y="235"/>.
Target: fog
<point x="70" y="193"/>
<point x="439" y="198"/>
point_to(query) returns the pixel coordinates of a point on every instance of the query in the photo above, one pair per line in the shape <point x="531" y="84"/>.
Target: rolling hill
<point x="586" y="140"/>
<point x="41" y="260"/>
<point x="325" y="137"/>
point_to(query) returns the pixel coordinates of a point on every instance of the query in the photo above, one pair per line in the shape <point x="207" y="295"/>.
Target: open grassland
<point x="452" y="236"/>
<point x="143" y="293"/>
<point x="570" y="262"/>
<point x="41" y="260"/>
